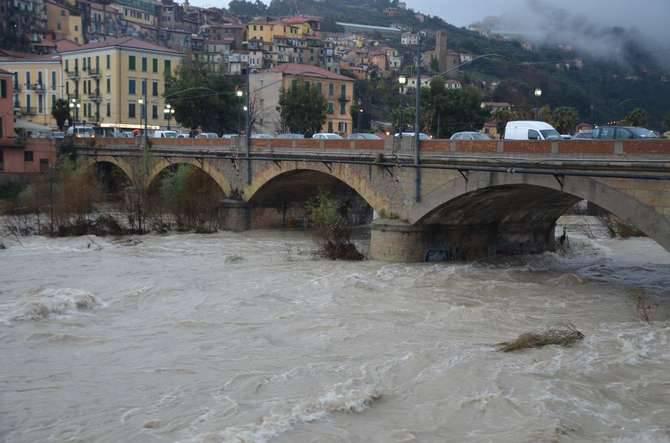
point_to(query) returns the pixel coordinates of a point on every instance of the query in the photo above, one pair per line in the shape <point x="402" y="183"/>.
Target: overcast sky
<point x="650" y="17"/>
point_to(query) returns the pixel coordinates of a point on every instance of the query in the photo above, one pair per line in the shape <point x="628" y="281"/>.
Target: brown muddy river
<point x="249" y="338"/>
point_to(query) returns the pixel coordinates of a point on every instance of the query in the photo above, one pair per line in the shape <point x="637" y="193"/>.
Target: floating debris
<point x="559" y="336"/>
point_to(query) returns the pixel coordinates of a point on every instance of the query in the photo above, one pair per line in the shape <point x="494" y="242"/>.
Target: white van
<point x="165" y="134"/>
<point x="530" y="130"/>
<point x="80" y="131"/>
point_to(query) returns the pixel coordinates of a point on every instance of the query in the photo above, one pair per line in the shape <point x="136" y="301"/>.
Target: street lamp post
<point x="169" y="112"/>
<point x="417" y="121"/>
<point x="74" y="107"/>
<point x="239" y="93"/>
<point x="360" y="114"/>
<point x="537" y="93"/>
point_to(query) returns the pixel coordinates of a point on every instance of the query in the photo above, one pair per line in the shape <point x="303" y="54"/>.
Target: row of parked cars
<point x="534" y="130"/>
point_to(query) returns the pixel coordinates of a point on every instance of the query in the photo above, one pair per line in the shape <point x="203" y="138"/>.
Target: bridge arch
<point x="540" y="199"/>
<point x="121" y="164"/>
<point x="343" y="173"/>
<point x="205" y="166"/>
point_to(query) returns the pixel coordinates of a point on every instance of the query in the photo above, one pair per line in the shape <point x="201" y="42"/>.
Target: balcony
<point x="94" y="72"/>
<point x="73" y="74"/>
<point x="39" y="88"/>
<point x="342" y="98"/>
<point x="29" y="110"/>
<point x="95" y="96"/>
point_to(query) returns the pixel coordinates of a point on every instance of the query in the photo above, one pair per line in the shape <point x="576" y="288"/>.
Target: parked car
<point x="566" y="137"/>
<point x="623" y="133"/>
<point x="80" y="132"/>
<point x="183" y="135"/>
<point x="364" y="136"/>
<point x="290" y="136"/>
<point x="583" y="135"/>
<point x="327" y="136"/>
<point x="470" y="135"/>
<point x="207" y="135"/>
<point x="530" y="130"/>
<point x="422" y="135"/>
<point x="262" y="136"/>
<point x="58" y="135"/>
<point x="164" y="134"/>
<point x="229" y="136"/>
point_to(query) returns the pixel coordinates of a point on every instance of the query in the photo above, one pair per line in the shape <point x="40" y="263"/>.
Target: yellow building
<point x="109" y="81"/>
<point x="38" y="83"/>
<point x="64" y="21"/>
<point x="141" y="12"/>
<point x="298" y="27"/>
<point x="266" y="88"/>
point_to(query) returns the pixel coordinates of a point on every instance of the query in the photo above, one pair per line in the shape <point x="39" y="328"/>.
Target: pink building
<point x="17" y="156"/>
<point x="6" y="107"/>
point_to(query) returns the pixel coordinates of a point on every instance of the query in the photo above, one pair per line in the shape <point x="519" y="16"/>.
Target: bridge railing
<point x="404" y="147"/>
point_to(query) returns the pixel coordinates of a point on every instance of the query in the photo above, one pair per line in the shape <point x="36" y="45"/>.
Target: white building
<point x="409" y="39"/>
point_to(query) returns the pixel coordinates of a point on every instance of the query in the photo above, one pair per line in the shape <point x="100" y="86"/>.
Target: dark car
<point x="622" y="133"/>
<point x="583" y="135"/>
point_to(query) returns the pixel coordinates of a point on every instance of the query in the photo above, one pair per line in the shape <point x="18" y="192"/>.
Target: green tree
<point x="60" y="112"/>
<point x="637" y="117"/>
<point x="251" y="9"/>
<point x="403" y="117"/>
<point x="464" y="111"/>
<point x="564" y="119"/>
<point x="302" y="109"/>
<point x="203" y="99"/>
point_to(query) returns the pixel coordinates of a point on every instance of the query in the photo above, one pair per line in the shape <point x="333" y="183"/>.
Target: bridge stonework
<point x="476" y="198"/>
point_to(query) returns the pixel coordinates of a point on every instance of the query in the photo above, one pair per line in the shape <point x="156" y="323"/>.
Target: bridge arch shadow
<point x="278" y="195"/>
<point x="162" y="165"/>
<point x="517" y="214"/>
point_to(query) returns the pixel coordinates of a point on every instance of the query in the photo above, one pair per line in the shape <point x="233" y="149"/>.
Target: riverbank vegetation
<point x="74" y="200"/>
<point x="332" y="230"/>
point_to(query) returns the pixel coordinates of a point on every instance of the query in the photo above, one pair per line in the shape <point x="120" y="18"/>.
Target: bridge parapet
<point x="429" y="148"/>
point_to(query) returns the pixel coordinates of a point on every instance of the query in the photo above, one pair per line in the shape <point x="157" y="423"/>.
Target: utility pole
<point x="417" y="120"/>
<point x="248" y="124"/>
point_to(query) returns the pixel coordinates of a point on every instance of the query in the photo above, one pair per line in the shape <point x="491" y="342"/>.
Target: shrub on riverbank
<point x="331" y="228"/>
<point x="617" y="228"/>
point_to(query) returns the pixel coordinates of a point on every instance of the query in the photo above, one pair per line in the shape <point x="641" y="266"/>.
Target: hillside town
<point x="104" y="58"/>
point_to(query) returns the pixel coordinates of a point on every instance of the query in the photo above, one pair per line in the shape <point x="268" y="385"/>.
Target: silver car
<point x="470" y="135"/>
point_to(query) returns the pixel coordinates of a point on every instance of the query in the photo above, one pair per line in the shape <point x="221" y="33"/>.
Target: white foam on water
<point x="51" y="302"/>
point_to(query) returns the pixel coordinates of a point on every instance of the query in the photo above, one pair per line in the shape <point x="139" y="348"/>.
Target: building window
<point x="331" y="89"/>
<point x="109" y="86"/>
<point x="53" y="101"/>
<point x="131" y="87"/>
<point x="131" y="62"/>
<point x="154" y="88"/>
<point x="85" y="89"/>
<point x="168" y="67"/>
<point x="154" y="65"/>
<point x="27" y="156"/>
<point x="109" y="109"/>
<point x="343" y="91"/>
<point x="330" y="108"/>
<point x="97" y="62"/>
<point x="67" y="65"/>
<point x="144" y="64"/>
<point x="131" y="110"/>
<point x="154" y="112"/>
<point x="28" y="85"/>
<point x="3" y="88"/>
<point x="109" y="61"/>
<point x="330" y="126"/>
<point x="44" y="165"/>
<point x="343" y="108"/>
<point x="40" y="104"/>
<point x="28" y="104"/>
<point x="144" y="88"/>
<point x="53" y="80"/>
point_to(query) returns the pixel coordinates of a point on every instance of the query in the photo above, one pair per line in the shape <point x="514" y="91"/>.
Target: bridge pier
<point x="397" y="241"/>
<point x="235" y="215"/>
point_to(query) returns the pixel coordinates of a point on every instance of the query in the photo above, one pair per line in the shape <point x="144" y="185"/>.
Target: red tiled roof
<point x="66" y="45"/>
<point x="300" y="19"/>
<point x="3" y="72"/>
<point x="126" y="42"/>
<point x="7" y="55"/>
<point x="308" y="71"/>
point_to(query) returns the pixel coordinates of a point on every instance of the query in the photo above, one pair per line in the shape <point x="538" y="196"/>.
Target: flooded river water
<point x="249" y="338"/>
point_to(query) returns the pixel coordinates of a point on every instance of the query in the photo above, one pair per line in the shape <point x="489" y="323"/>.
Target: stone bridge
<point x="464" y="199"/>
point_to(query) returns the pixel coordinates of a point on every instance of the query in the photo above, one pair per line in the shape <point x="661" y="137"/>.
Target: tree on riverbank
<point x="331" y="227"/>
